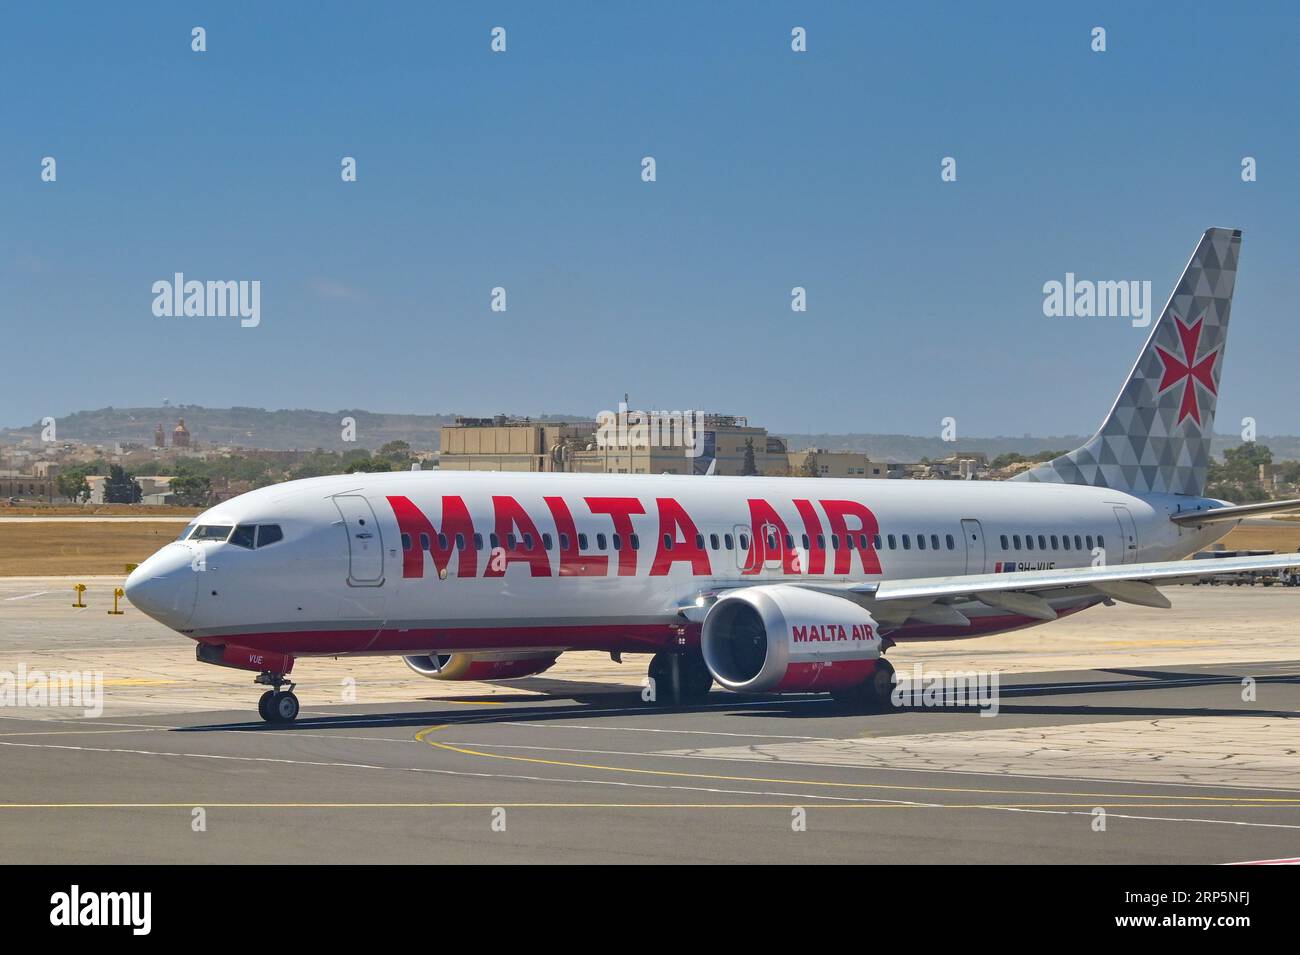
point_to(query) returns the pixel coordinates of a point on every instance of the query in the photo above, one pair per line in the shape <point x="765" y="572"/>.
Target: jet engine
<point x="784" y="639"/>
<point x="481" y="666"/>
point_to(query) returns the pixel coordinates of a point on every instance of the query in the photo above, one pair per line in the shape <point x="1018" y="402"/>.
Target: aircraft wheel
<point x="680" y="678"/>
<point x="874" y="695"/>
<point x="264" y="706"/>
<point x="285" y="707"/>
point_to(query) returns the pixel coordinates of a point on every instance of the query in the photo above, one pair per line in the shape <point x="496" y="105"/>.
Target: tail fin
<point x="1157" y="435"/>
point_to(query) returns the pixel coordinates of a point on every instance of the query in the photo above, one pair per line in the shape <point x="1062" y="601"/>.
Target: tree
<point x="72" y="484"/>
<point x="749" y="466"/>
<point x="1237" y="478"/>
<point x="121" y="487"/>
<point x="192" y="490"/>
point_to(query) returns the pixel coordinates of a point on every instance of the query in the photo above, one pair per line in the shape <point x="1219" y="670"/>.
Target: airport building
<point x="628" y="445"/>
<point x="818" y="462"/>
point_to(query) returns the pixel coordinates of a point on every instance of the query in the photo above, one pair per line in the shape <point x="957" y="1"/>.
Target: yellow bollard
<point x="117" y="592"/>
<point x="80" y="589"/>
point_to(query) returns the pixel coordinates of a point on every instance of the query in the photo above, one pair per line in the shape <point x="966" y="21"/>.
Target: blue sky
<point x="522" y="170"/>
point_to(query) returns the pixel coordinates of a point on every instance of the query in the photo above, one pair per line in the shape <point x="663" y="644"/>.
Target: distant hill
<point x="305" y="430"/>
<point x="247" y="427"/>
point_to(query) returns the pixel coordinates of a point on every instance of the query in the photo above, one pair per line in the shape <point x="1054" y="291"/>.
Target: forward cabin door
<point x="973" y="534"/>
<point x="1127" y="535"/>
<point x="365" y="544"/>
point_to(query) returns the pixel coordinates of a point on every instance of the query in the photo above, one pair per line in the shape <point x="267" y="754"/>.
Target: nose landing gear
<point x="277" y="705"/>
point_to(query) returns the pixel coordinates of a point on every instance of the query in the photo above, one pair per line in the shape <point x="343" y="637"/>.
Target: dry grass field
<point x="60" y="548"/>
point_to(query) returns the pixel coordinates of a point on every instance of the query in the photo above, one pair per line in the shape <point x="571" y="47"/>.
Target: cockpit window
<point x="244" y="536"/>
<point x="268" y="534"/>
<point x="189" y="528"/>
<point x="211" y="532"/>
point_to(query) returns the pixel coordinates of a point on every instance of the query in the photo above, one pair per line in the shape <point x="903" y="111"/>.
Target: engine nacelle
<point x="481" y="666"/>
<point x="783" y="639"/>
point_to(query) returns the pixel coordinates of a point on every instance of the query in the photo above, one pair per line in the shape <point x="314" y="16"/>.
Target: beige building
<point x="511" y="444"/>
<point x="836" y="464"/>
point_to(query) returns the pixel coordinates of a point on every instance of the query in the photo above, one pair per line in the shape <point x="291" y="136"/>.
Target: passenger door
<point x="365" y="541"/>
<point x="1128" y="535"/>
<point x="973" y="534"/>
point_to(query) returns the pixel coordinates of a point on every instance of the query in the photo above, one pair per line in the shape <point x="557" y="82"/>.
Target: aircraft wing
<point x="930" y="599"/>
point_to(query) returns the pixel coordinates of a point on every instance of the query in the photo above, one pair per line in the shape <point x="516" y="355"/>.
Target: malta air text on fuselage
<point x="831" y="536"/>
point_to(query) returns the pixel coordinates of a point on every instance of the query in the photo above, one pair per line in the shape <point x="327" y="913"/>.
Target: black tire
<point x="285" y="707"/>
<point x="680" y="679"/>
<point x="873" y="696"/>
<point x="264" y="706"/>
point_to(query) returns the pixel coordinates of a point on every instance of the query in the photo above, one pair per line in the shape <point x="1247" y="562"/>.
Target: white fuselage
<point x="418" y="562"/>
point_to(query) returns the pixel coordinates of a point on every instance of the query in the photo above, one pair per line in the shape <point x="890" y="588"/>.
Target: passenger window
<point x="862" y="542"/>
<point x="771" y="542"/>
<point x="699" y="542"/>
<point x="1054" y="545"/>
<point x="1015" y="540"/>
<point x="934" y="541"/>
<point x="478" y="541"/>
<point x="835" y="542"/>
<point x="821" y="541"/>
<point x="789" y="542"/>
<point x="442" y="542"/>
<point x="892" y="543"/>
<point x="528" y="542"/>
<point x="1029" y="542"/>
<point x="268" y="534"/>
<point x="876" y="541"/>
<point x="713" y="541"/>
<point x="564" y="542"/>
<point x="1004" y="541"/>
<point x="600" y="541"/>
<point x="424" y="542"/>
<point x="744" y="542"/>
<point x="848" y="541"/>
<point x="668" y="541"/>
<point x="920" y="542"/>
<point x="460" y="541"/>
<point x="618" y="542"/>
<point x="952" y="544"/>
<point x="494" y="540"/>
<point x="907" y="542"/>
<point x="406" y="542"/>
<point x="1042" y="542"/>
<point x="582" y="541"/>
<point x="726" y="539"/>
<point x="1089" y="539"/>
<point x="244" y="536"/>
<point x="1101" y="542"/>
<point x="636" y="541"/>
<point x="1065" y="540"/>
<point x="1078" y="542"/>
<point x="546" y="541"/>
<point x="806" y="545"/>
<point x="512" y="542"/>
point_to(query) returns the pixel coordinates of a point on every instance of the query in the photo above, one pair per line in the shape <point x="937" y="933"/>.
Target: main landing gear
<point x="277" y="705"/>
<point x="680" y="679"/>
<point x="872" y="696"/>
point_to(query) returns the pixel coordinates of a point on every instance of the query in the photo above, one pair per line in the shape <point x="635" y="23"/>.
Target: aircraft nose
<point x="166" y="585"/>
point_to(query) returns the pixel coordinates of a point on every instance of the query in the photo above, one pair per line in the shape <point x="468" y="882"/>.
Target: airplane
<point x="760" y="584"/>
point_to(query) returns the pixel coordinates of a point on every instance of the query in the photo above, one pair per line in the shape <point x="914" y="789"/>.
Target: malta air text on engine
<point x="831" y="632"/>
<point x="767" y="539"/>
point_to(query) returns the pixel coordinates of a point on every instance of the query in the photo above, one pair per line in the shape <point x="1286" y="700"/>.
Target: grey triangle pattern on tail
<point x="1156" y="438"/>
